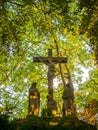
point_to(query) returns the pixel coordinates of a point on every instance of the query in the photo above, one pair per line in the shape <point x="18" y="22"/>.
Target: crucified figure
<point x="50" y="62"/>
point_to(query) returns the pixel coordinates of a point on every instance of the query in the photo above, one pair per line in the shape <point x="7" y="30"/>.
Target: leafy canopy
<point x="29" y="28"/>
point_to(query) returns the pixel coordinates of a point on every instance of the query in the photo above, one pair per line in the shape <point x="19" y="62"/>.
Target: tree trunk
<point x="73" y="111"/>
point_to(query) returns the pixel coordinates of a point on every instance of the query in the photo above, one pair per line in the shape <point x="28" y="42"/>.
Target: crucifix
<point x="50" y="62"/>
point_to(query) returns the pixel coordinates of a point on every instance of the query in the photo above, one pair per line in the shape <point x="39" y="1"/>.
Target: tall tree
<point x="28" y="29"/>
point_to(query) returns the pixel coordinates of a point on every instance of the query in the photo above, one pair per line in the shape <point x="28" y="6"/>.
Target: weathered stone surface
<point x="34" y="100"/>
<point x="68" y="99"/>
<point x="50" y="62"/>
<point x="52" y="105"/>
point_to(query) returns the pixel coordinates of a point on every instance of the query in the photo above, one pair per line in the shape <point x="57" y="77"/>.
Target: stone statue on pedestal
<point x="52" y="105"/>
<point x="50" y="61"/>
<point x="68" y="100"/>
<point x="34" y="100"/>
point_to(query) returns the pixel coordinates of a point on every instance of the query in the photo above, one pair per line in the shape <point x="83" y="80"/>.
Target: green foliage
<point x="29" y="28"/>
<point x="47" y="113"/>
<point x="33" y="122"/>
<point x="5" y="124"/>
<point x="89" y="23"/>
<point x="88" y="90"/>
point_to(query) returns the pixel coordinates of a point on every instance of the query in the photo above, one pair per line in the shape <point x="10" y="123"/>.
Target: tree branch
<point x="13" y="69"/>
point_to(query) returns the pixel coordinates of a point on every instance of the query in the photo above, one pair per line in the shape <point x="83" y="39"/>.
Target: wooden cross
<point x="50" y="62"/>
